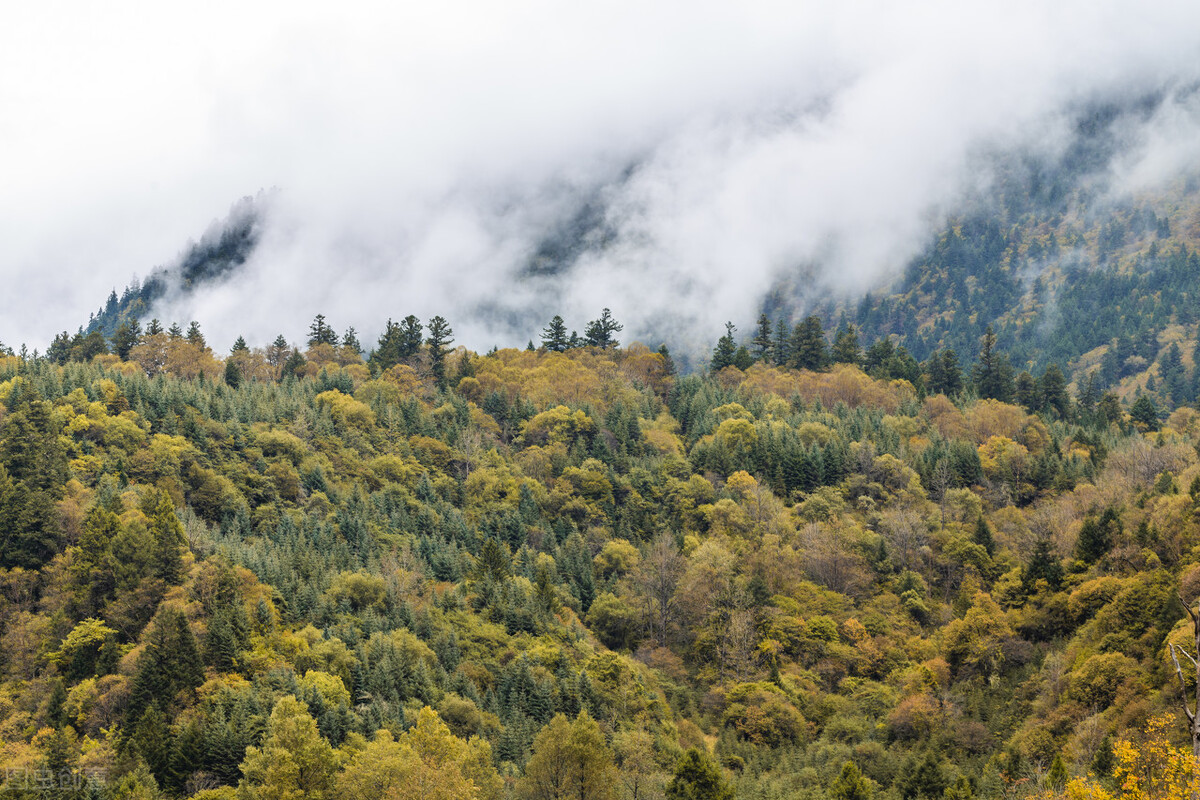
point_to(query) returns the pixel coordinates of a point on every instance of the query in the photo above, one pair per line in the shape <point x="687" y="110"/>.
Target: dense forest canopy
<point x="821" y="568"/>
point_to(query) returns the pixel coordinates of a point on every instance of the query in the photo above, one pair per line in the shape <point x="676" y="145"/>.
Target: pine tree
<point x="440" y="337"/>
<point x="846" y="349"/>
<point x="993" y="374"/>
<point x="599" y="332"/>
<point x="725" y="350"/>
<point x="411" y="337"/>
<point x="781" y="351"/>
<point x="1145" y="413"/>
<point x="554" y="335"/>
<point x="321" y="333"/>
<point x="194" y="336"/>
<point x="350" y="342"/>
<point x="762" y="341"/>
<point x="983" y="535"/>
<point x="169" y="539"/>
<point x="1052" y="389"/>
<point x="808" y="348"/>
<point x="389" y="347"/>
<point x="294" y="365"/>
<point x="126" y="337"/>
<point x="1027" y="392"/>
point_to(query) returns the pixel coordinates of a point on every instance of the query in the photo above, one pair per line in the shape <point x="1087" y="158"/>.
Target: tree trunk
<point x="1188" y="706"/>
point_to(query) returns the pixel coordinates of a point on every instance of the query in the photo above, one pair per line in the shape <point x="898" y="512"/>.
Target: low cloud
<point x="500" y="164"/>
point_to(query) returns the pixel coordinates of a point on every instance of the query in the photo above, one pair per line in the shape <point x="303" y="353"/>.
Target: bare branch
<point x="1182" y="683"/>
<point x="1192" y="614"/>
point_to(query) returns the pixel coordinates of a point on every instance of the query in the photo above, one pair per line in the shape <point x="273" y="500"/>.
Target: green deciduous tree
<point x="294" y="761"/>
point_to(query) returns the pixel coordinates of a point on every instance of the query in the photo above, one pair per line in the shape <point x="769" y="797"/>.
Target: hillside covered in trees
<point x="821" y="569"/>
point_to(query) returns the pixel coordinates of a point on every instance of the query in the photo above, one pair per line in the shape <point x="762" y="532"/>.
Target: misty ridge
<point x="1097" y="169"/>
<point x="689" y="170"/>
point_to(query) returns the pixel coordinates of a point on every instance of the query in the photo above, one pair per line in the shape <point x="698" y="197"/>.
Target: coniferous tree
<point x="321" y="333"/>
<point x="762" y="340"/>
<point x="388" y="350"/>
<point x="240" y="346"/>
<point x="982" y="535"/>
<point x="846" y="349"/>
<point x="350" y="342"/>
<point x="554" y="335"/>
<point x="440" y="338"/>
<point x="725" y="350"/>
<point x="1052" y="390"/>
<point x="1145" y="413"/>
<point x="808" y="348"/>
<point x="194" y="336"/>
<point x="126" y="337"/>
<point x="278" y="352"/>
<point x="411" y="337"/>
<point x="1027" y="392"/>
<point x="600" y="332"/>
<point x="233" y="374"/>
<point x="294" y="365"/>
<point x="781" y="348"/>
<point x="993" y="374"/>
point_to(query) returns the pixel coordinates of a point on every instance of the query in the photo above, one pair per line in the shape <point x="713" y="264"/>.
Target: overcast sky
<point x="422" y="150"/>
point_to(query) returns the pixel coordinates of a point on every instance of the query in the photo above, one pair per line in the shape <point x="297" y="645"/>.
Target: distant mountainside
<point x="222" y="249"/>
<point x="1065" y="264"/>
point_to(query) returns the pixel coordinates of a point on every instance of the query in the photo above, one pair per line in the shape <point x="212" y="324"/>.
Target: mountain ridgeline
<point x="222" y="249"/>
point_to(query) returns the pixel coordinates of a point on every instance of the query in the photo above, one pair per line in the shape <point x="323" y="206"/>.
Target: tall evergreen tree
<point x="126" y="337"/>
<point x="350" y="341"/>
<point x="762" y="341"/>
<point x="993" y="374"/>
<point x="440" y="338"/>
<point x="781" y="351"/>
<point x="1052" y="389"/>
<point x="554" y="335"/>
<point x="321" y="333"/>
<point x="388" y="349"/>
<point x="194" y="336"/>
<point x="411" y="337"/>
<point x="600" y="332"/>
<point x="725" y="350"/>
<point x="846" y="349"/>
<point x="809" y="350"/>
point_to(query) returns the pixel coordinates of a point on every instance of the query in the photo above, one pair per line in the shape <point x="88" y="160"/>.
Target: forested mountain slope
<point x="569" y="570"/>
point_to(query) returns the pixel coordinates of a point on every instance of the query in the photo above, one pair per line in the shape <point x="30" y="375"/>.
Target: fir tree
<point x="439" y="341"/>
<point x="600" y="332"/>
<point x="321" y="333"/>
<point x="762" y="341"/>
<point x="554" y="335"/>
<point x="846" y="349"/>
<point x="126" y="337"/>
<point x="993" y="374"/>
<point x="808" y="348"/>
<point x="725" y="350"/>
